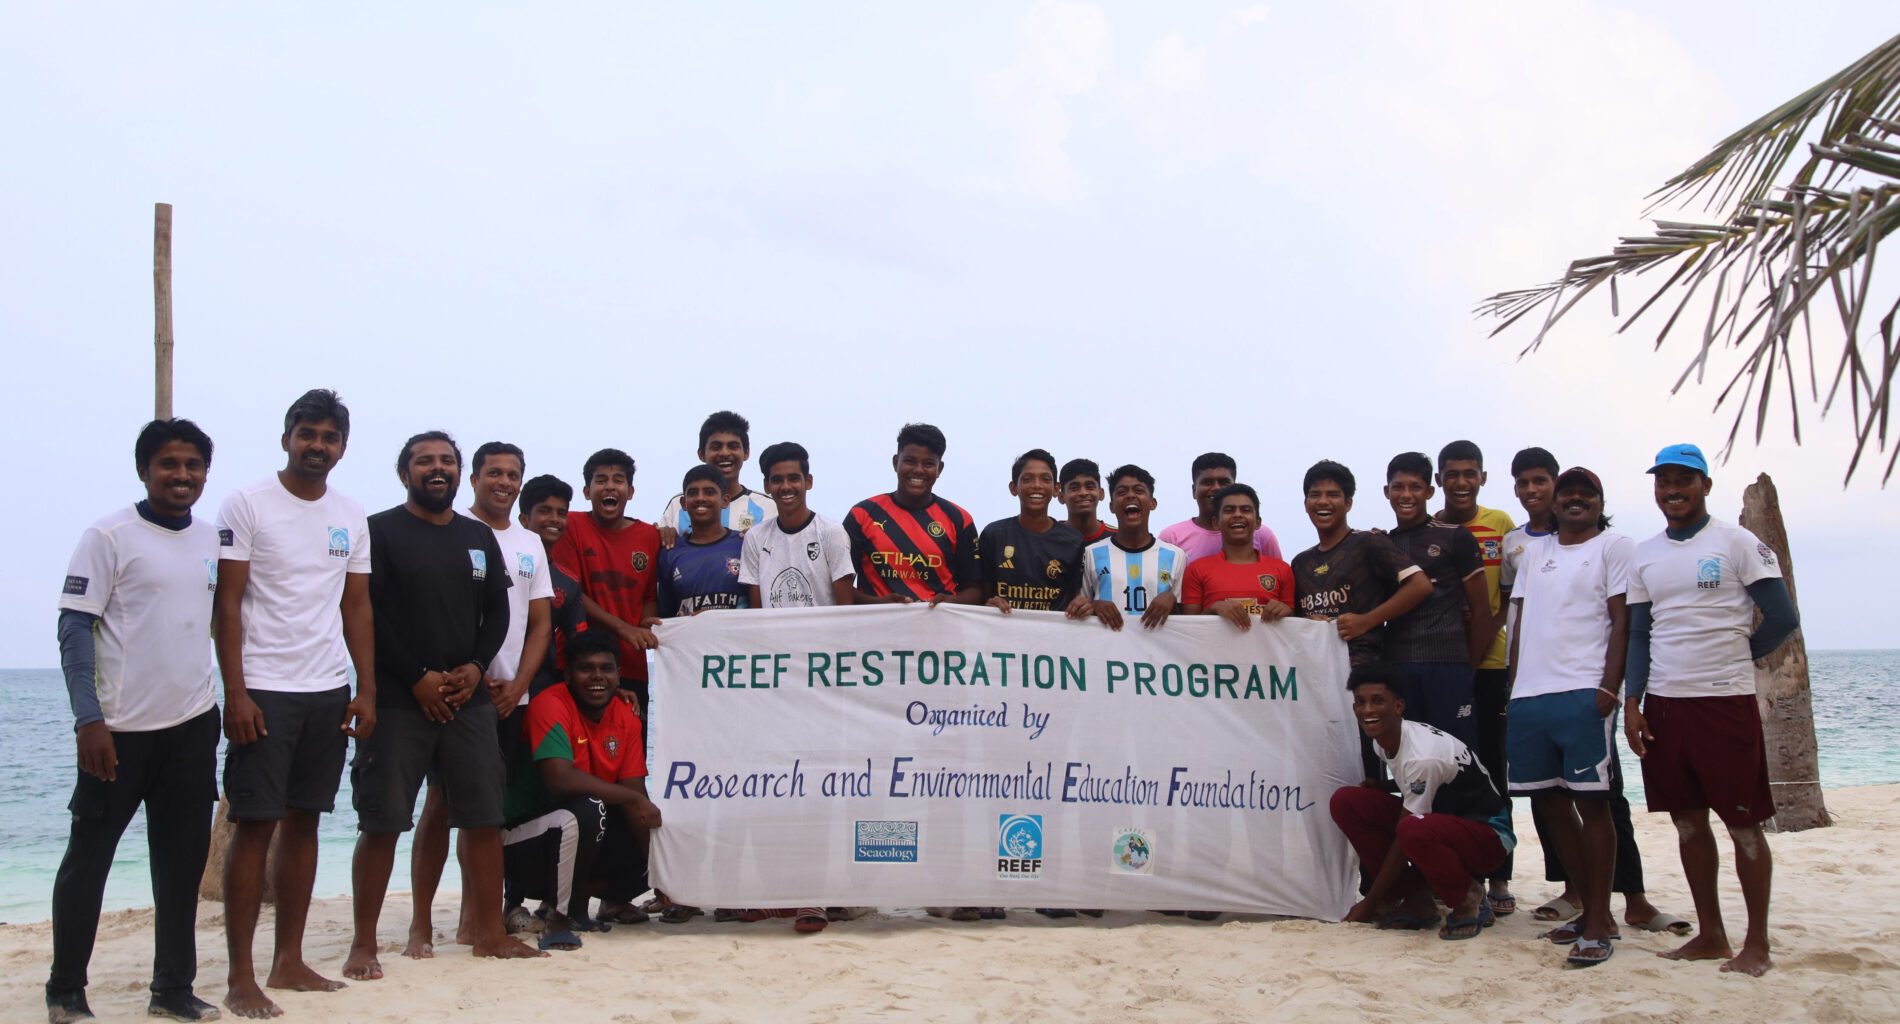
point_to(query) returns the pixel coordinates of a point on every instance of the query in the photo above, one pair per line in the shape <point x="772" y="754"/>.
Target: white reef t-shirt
<point x="1700" y="610"/>
<point x="299" y="553"/>
<point x="527" y="561"/>
<point x="1564" y="627"/>
<point x="151" y="589"/>
<point x="797" y="569"/>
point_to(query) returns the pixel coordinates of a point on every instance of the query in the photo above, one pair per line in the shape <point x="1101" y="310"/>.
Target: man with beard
<point x="133" y="619"/>
<point x="496" y="469"/>
<point x="440" y="595"/>
<point x="293" y="614"/>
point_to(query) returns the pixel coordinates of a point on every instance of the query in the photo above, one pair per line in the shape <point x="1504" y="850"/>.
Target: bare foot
<point x="506" y="948"/>
<point x="1706" y="946"/>
<point x="362" y="964"/>
<point x="1752" y="961"/>
<point x="298" y="977"/>
<point x="421" y="944"/>
<point x="464" y="935"/>
<point x="245" y="999"/>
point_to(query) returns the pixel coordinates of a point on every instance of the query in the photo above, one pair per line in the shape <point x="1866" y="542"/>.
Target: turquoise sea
<point x="1852" y="690"/>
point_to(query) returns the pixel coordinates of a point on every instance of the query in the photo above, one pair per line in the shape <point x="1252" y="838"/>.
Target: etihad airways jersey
<point x="922" y="553"/>
<point x="1131" y="579"/>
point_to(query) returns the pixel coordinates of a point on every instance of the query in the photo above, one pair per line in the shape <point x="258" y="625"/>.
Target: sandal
<point x="678" y="913"/>
<point x="1559" y="909"/>
<point x="1582" y="954"/>
<point x="809" y="919"/>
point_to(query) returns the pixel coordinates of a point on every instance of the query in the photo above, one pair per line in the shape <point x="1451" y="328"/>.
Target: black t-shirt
<point x="1358" y="574"/>
<point x="1435" y="630"/>
<point x="568" y="618"/>
<point x="1038" y="572"/>
<point x="440" y="596"/>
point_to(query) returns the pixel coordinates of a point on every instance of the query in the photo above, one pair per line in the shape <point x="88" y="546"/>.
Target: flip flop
<point x="1504" y="905"/>
<point x="1663" y="922"/>
<point x="1406" y="922"/>
<point x="1579" y="952"/>
<point x="1485" y="919"/>
<point x="626" y="915"/>
<point x="678" y="913"/>
<point x="1571" y="931"/>
<point x="583" y="923"/>
<point x="1559" y="909"/>
<point x="563" y="941"/>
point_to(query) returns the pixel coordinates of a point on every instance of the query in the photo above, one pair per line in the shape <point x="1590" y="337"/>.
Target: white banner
<point x="906" y="756"/>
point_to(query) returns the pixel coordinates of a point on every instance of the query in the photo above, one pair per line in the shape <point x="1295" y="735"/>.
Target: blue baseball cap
<point x="1682" y="455"/>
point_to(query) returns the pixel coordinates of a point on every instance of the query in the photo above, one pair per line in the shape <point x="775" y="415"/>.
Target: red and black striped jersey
<point x="922" y="552"/>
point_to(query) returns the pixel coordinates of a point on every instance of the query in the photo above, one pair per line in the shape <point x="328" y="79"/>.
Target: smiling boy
<point x="702" y="572"/>
<point x="1079" y="489"/>
<point x="1030" y="560"/>
<point x="911" y="545"/>
<point x="1238" y="582"/>
<point x="1133" y="571"/>
<point x="798" y="558"/>
<point x="1200" y="536"/>
<point x="615" y="559"/>
<point x="725" y="442"/>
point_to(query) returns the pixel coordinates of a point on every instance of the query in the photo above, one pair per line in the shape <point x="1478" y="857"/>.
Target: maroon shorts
<point x="1708" y="753"/>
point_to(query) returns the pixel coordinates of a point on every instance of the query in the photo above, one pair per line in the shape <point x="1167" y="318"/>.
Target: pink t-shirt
<point x="1199" y="543"/>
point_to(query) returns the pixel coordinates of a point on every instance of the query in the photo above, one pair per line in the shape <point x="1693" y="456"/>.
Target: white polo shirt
<point x="151" y="589"/>
<point x="1700" y="608"/>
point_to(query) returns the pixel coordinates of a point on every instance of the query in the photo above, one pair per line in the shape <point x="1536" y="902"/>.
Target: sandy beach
<point x="1835" y="929"/>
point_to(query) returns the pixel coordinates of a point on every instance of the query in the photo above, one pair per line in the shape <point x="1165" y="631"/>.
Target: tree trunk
<point x="223" y="831"/>
<point x="1781" y="686"/>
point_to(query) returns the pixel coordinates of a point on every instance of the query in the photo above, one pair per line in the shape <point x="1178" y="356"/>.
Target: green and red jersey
<point x="612" y="749"/>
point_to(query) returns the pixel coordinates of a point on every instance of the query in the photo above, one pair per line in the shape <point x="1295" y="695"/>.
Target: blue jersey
<point x="1131" y="579"/>
<point x="742" y="513"/>
<point x="695" y="577"/>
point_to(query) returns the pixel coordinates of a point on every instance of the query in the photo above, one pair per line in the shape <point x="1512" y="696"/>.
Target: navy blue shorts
<point x="1558" y="741"/>
<point x="1442" y="695"/>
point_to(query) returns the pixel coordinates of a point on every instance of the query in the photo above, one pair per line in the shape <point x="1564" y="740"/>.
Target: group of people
<point x="500" y="655"/>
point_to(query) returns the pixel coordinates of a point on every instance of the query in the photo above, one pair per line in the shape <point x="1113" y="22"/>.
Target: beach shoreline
<point x="1834" y="931"/>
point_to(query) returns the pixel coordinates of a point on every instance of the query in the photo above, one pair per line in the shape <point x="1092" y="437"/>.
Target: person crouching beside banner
<point x="576" y="809"/>
<point x="1446" y="829"/>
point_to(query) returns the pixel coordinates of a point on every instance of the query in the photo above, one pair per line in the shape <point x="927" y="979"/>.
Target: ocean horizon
<point x="1851" y="688"/>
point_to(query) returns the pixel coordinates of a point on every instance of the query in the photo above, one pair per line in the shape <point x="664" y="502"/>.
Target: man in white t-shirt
<point x="1567" y="659"/>
<point x="1690" y="712"/>
<point x="797" y="558"/>
<point x="135" y="648"/>
<point x="293" y="614"/>
<point x="1200" y="536"/>
<point x="495" y="472"/>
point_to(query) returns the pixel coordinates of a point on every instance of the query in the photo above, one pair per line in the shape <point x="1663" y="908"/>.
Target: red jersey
<point x="1214" y="578"/>
<point x="616" y="569"/>
<point x="611" y="750"/>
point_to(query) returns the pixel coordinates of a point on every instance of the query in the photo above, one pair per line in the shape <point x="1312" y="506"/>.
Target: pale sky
<point x="1133" y="233"/>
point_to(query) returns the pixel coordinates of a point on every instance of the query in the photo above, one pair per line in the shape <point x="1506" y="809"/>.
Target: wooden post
<point x="162" y="310"/>
<point x="1781" y="686"/>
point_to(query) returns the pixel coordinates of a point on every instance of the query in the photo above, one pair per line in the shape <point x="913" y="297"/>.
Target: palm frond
<point x="1781" y="246"/>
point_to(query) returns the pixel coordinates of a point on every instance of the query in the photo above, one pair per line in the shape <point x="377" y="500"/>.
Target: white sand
<point x="1836" y="931"/>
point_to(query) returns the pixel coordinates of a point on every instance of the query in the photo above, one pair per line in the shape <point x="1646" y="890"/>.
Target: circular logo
<point x="639" y="561"/>
<point x="1434" y="550"/>
<point x="1132" y="851"/>
<point x="935" y="530"/>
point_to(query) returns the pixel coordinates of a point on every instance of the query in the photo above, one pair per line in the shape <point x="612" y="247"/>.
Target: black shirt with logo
<point x="1356" y="575"/>
<point x="1033" y="571"/>
<point x="440" y="597"/>
<point x="1435" y="630"/>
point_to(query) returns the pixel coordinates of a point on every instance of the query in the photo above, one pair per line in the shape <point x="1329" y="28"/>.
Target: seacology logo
<point x="885" y="842"/>
<point x="1019" y="847"/>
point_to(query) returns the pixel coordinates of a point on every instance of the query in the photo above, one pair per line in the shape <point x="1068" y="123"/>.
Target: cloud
<point x="1242" y="18"/>
<point x="1175" y="68"/>
<point x="1062" y="51"/>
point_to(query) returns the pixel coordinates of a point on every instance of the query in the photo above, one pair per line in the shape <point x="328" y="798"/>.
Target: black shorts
<point x="297" y="763"/>
<point x="406" y="747"/>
